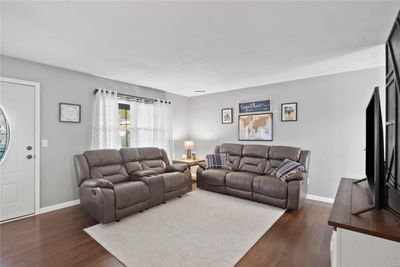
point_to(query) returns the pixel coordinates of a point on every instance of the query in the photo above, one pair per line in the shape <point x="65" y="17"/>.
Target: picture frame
<point x="227" y="115"/>
<point x="69" y="113"/>
<point x="289" y="112"/>
<point x="255" y="106"/>
<point x="256" y="127"/>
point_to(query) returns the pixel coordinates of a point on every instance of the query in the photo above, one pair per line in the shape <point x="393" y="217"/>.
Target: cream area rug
<point x="200" y="229"/>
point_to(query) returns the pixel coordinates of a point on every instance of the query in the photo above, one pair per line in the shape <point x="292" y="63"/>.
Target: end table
<point x="190" y="163"/>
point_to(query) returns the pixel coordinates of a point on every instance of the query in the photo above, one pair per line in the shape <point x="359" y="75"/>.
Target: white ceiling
<point x="181" y="47"/>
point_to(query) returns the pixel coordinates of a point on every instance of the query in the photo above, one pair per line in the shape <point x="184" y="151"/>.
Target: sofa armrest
<point x="143" y="173"/>
<point x="98" y="202"/>
<point x="176" y="168"/>
<point x="81" y="169"/>
<point x="156" y="185"/>
<point x="295" y="177"/>
<point x="100" y="182"/>
<point x="203" y="165"/>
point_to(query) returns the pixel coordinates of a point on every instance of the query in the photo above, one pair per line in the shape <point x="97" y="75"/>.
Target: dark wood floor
<point x="57" y="239"/>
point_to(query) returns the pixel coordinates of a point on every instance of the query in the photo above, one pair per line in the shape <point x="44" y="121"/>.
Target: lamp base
<point x="189" y="154"/>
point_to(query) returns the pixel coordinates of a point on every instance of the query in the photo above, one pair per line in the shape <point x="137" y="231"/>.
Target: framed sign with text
<point x="255" y="106"/>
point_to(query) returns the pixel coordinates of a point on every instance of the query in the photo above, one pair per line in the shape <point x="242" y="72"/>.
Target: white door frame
<point x="36" y="87"/>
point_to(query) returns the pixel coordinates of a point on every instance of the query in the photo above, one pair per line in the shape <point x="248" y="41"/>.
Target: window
<point x="125" y="124"/>
<point x="4" y="134"/>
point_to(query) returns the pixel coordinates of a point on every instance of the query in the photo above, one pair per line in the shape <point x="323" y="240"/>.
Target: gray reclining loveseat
<point x="114" y="184"/>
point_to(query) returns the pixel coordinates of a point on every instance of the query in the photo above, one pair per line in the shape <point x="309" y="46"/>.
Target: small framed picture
<point x="226" y="115"/>
<point x="70" y="113"/>
<point x="289" y="112"/>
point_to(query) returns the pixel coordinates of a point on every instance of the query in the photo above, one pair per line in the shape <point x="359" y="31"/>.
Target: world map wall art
<point x="255" y="127"/>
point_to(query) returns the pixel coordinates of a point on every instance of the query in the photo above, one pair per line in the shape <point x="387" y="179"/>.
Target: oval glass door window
<point x="4" y="134"/>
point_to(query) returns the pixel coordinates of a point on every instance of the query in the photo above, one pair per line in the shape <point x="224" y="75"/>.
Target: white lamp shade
<point x="189" y="144"/>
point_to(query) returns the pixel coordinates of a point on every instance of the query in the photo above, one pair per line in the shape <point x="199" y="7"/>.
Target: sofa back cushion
<point x="151" y="158"/>
<point x="279" y="153"/>
<point x="130" y="157"/>
<point x="254" y="158"/>
<point x="107" y="164"/>
<point x="234" y="151"/>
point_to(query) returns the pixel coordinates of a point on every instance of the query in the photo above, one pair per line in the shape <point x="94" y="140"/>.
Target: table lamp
<point x="189" y="146"/>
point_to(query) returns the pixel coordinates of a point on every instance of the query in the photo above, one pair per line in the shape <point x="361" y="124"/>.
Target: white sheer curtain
<point x="142" y="123"/>
<point x="152" y="125"/>
<point x="163" y="126"/>
<point x="105" y="131"/>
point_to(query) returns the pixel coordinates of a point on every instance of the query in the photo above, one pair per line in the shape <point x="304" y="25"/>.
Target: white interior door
<point x="17" y="168"/>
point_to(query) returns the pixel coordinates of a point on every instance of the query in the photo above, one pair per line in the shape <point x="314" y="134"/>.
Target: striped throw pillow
<point x="217" y="161"/>
<point x="285" y="167"/>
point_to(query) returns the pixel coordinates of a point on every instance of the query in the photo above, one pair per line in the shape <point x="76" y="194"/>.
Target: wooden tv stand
<point x="371" y="238"/>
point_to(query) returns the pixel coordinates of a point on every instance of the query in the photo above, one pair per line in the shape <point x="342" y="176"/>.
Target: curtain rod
<point x="131" y="96"/>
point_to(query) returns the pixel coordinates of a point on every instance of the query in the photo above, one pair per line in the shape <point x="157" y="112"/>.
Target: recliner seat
<point x="114" y="184"/>
<point x="250" y="172"/>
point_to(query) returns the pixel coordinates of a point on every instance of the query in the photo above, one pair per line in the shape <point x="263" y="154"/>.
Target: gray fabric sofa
<point x="114" y="184"/>
<point x="250" y="175"/>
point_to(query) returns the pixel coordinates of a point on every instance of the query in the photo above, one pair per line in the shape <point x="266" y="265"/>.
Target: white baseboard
<point x="318" y="198"/>
<point x="59" y="206"/>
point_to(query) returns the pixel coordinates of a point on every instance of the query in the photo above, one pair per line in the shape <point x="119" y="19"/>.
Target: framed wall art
<point x="255" y="106"/>
<point x="289" y="111"/>
<point x="255" y="127"/>
<point x="69" y="113"/>
<point x="226" y="115"/>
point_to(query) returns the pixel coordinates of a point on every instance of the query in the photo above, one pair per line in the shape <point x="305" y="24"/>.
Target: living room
<point x="157" y="133"/>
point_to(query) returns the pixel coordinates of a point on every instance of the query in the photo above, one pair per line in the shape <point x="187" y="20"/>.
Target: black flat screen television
<point x="374" y="152"/>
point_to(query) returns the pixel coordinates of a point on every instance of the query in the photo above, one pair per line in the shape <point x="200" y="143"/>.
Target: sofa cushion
<point x="240" y="180"/>
<point x="156" y="165"/>
<point x="256" y="151"/>
<point x="103" y="157"/>
<point x="174" y="181"/>
<point x="149" y="153"/>
<point x="279" y="153"/>
<point x="107" y="164"/>
<point x="284" y="152"/>
<point x="130" y="157"/>
<point x="254" y="158"/>
<point x="129" y="154"/>
<point x="270" y="186"/>
<point x="234" y="151"/>
<point x="214" y="176"/>
<point x="130" y="193"/>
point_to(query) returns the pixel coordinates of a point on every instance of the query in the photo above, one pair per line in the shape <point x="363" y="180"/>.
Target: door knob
<point x="29" y="156"/>
<point x="28" y="148"/>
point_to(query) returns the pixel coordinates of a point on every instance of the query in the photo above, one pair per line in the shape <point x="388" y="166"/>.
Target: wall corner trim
<point x="319" y="198"/>
<point x="59" y="206"/>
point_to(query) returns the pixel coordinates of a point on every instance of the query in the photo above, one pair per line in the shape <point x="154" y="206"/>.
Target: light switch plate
<point x="44" y="143"/>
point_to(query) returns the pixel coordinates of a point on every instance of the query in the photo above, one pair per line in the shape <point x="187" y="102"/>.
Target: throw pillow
<point x="285" y="167"/>
<point x="292" y="174"/>
<point x="217" y="161"/>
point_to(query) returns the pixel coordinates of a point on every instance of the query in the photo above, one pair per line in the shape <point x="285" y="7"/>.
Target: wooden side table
<point x="190" y="163"/>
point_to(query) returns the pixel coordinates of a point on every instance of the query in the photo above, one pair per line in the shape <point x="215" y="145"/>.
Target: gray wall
<point x="331" y="122"/>
<point x="58" y="183"/>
